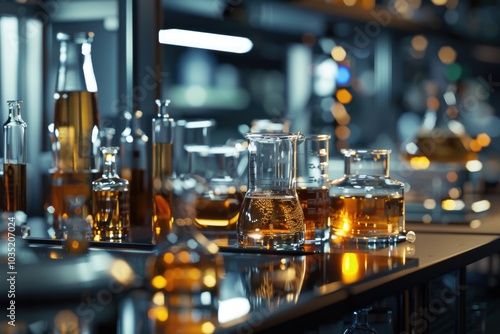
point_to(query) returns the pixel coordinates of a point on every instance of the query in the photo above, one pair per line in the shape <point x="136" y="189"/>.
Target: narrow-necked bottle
<point x="14" y="159"/>
<point x="110" y="201"/>
<point x="133" y="160"/>
<point x="163" y="138"/>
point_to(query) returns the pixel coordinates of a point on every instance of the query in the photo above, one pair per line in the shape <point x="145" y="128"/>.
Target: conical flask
<point x="442" y="137"/>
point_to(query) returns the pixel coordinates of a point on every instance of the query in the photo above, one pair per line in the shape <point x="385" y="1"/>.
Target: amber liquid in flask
<point x="162" y="190"/>
<point x="360" y="215"/>
<point x="218" y="212"/>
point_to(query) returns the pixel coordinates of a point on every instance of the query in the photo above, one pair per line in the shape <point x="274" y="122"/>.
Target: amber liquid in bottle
<point x="65" y="185"/>
<point x="314" y="202"/>
<point x="15" y="185"/>
<point x="218" y="212"/>
<point x="75" y="116"/>
<point x="271" y="221"/>
<point x="138" y="194"/>
<point x="359" y="215"/>
<point x="162" y="194"/>
<point x="111" y="215"/>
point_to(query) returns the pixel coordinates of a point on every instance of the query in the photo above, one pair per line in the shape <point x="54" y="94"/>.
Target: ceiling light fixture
<point x="203" y="40"/>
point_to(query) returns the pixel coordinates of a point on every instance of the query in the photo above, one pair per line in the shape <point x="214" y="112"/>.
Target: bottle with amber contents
<point x="14" y="159"/>
<point x="110" y="202"/>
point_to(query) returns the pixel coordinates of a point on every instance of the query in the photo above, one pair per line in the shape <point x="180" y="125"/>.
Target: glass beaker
<point x="312" y="186"/>
<point x="219" y="205"/>
<point x="366" y="204"/>
<point x="271" y="216"/>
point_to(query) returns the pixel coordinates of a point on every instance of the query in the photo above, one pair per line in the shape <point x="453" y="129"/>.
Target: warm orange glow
<point x="342" y="132"/>
<point x="474" y="146"/>
<point x="340" y="114"/>
<point x="368" y="4"/>
<point x="419" y="43"/>
<point x="452" y="177"/>
<point x="350" y="267"/>
<point x="483" y="139"/>
<point x="168" y="257"/>
<point x="343" y="96"/>
<point x="338" y="53"/>
<point x="420" y="162"/>
<point x="447" y="55"/>
<point x="439" y="2"/>
<point x="159" y="282"/>
<point x="432" y="103"/>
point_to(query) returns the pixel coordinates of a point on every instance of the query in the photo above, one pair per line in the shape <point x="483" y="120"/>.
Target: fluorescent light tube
<point x="203" y="40"/>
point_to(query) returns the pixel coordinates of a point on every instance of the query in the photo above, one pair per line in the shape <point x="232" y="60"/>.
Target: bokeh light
<point x="447" y="55"/>
<point x="343" y="75"/>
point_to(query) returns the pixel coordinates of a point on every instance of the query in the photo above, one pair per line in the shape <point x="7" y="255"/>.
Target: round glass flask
<point x="366" y="204"/>
<point x="271" y="216"/>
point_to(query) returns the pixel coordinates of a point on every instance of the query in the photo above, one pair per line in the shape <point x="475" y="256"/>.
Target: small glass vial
<point x="366" y="204"/>
<point x="110" y="202"/>
<point x="163" y="137"/>
<point x="14" y="159"/>
<point x="133" y="160"/>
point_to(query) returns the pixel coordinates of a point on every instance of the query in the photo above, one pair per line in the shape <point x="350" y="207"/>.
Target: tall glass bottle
<point x="110" y="200"/>
<point x="76" y="126"/>
<point x="163" y="137"/>
<point x="14" y="159"/>
<point x="133" y="159"/>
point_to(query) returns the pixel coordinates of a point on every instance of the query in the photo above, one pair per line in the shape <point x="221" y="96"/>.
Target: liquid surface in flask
<point x="366" y="216"/>
<point x="272" y="222"/>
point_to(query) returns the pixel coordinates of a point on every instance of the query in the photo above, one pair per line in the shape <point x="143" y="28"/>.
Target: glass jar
<point x="366" y="204"/>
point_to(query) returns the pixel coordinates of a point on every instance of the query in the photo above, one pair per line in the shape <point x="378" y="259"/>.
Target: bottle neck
<point x="75" y="71"/>
<point x="109" y="170"/>
<point x="367" y="163"/>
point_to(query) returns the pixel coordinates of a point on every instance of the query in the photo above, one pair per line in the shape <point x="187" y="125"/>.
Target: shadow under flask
<point x="366" y="204"/>
<point x="271" y="216"/>
<point x="14" y="159"/>
<point x="110" y="202"/>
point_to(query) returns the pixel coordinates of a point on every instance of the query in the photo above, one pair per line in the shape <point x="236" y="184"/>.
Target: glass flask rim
<point x="205" y="150"/>
<point x="318" y="136"/>
<point x="275" y="136"/>
<point x="352" y="151"/>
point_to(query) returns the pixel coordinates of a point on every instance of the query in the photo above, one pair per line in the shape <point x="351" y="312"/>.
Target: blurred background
<point x="369" y="72"/>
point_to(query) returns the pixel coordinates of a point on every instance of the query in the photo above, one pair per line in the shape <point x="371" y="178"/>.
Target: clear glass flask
<point x="163" y="137"/>
<point x="219" y="205"/>
<point x="366" y="204"/>
<point x="14" y="159"/>
<point x="271" y="216"/>
<point x="110" y="202"/>
<point x="133" y="163"/>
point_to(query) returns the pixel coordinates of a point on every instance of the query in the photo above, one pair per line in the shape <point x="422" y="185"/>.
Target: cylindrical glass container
<point x="312" y="186"/>
<point x="163" y="138"/>
<point x="14" y="159"/>
<point x="133" y="160"/>
<point x="271" y="216"/>
<point x="219" y="205"/>
<point x="366" y="204"/>
<point x="110" y="202"/>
